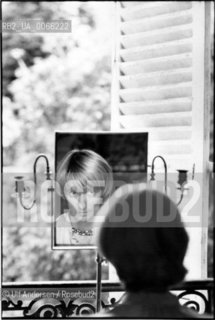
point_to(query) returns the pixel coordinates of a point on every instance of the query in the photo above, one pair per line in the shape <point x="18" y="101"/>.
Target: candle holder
<point x="20" y="189"/>
<point x="165" y="171"/>
<point x="182" y="177"/>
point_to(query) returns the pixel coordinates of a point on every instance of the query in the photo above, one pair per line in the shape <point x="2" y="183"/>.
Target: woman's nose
<point x="83" y="201"/>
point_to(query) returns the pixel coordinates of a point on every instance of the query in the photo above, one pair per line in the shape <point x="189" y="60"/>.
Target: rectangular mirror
<point x="89" y="166"/>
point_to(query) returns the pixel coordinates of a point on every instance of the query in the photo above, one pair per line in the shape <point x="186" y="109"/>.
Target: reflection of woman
<point x="86" y="179"/>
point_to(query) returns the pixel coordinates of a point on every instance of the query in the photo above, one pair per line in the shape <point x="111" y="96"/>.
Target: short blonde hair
<point x="86" y="166"/>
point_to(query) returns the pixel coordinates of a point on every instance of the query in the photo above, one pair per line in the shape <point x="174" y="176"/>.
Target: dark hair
<point x="147" y="255"/>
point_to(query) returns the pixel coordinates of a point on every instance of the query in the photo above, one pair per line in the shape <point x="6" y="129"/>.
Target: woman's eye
<point x="90" y="193"/>
<point x="74" y="193"/>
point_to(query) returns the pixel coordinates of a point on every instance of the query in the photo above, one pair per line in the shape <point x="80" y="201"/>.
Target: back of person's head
<point x="86" y="168"/>
<point x="143" y="237"/>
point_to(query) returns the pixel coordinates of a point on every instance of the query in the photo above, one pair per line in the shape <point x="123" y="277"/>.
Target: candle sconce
<point x="165" y="171"/>
<point x="182" y="181"/>
<point x="20" y="188"/>
<point x="182" y="177"/>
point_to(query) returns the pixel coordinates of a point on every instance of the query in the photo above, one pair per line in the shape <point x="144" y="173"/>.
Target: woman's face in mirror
<point x="83" y="202"/>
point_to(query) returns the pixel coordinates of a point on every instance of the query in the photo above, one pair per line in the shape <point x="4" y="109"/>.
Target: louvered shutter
<point x="160" y="83"/>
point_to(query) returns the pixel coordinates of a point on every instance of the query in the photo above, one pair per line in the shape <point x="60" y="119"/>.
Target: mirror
<point x="89" y="166"/>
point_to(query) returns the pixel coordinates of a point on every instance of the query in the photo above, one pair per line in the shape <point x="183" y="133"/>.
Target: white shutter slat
<point x="157" y="120"/>
<point x="157" y="64"/>
<point x="155" y="8"/>
<point x="156" y="92"/>
<point x="156" y="106"/>
<point x="156" y="78"/>
<point x="157" y="22"/>
<point x="156" y="50"/>
<point x="156" y="36"/>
